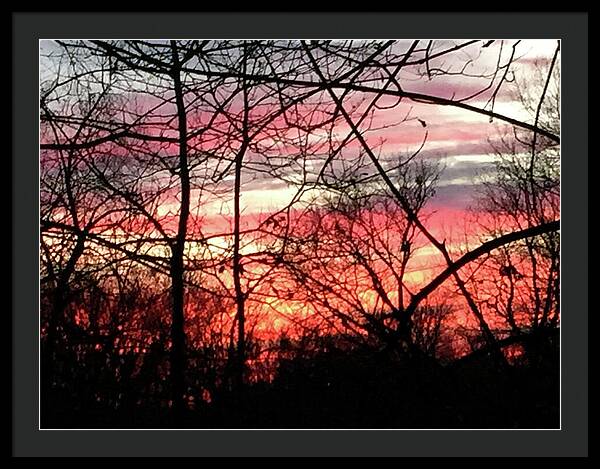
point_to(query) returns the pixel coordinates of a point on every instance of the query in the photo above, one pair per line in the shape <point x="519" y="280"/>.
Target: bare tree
<point x="150" y="149"/>
<point x="173" y="105"/>
<point x="523" y="279"/>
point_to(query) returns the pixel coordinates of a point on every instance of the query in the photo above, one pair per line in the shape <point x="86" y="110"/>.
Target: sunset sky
<point x="458" y="139"/>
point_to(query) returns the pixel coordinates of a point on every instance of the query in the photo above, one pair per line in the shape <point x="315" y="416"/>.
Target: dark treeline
<point x="165" y="304"/>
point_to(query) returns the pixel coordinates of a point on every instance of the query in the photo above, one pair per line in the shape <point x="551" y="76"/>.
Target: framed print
<point x="310" y="235"/>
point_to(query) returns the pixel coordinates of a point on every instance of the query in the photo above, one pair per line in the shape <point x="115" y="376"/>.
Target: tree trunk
<point x="240" y="358"/>
<point x="177" y="268"/>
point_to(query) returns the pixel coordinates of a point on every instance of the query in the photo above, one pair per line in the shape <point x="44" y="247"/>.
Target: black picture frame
<point x="570" y="440"/>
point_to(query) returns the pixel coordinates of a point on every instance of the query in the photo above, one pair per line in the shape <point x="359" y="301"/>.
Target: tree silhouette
<point x="157" y="275"/>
